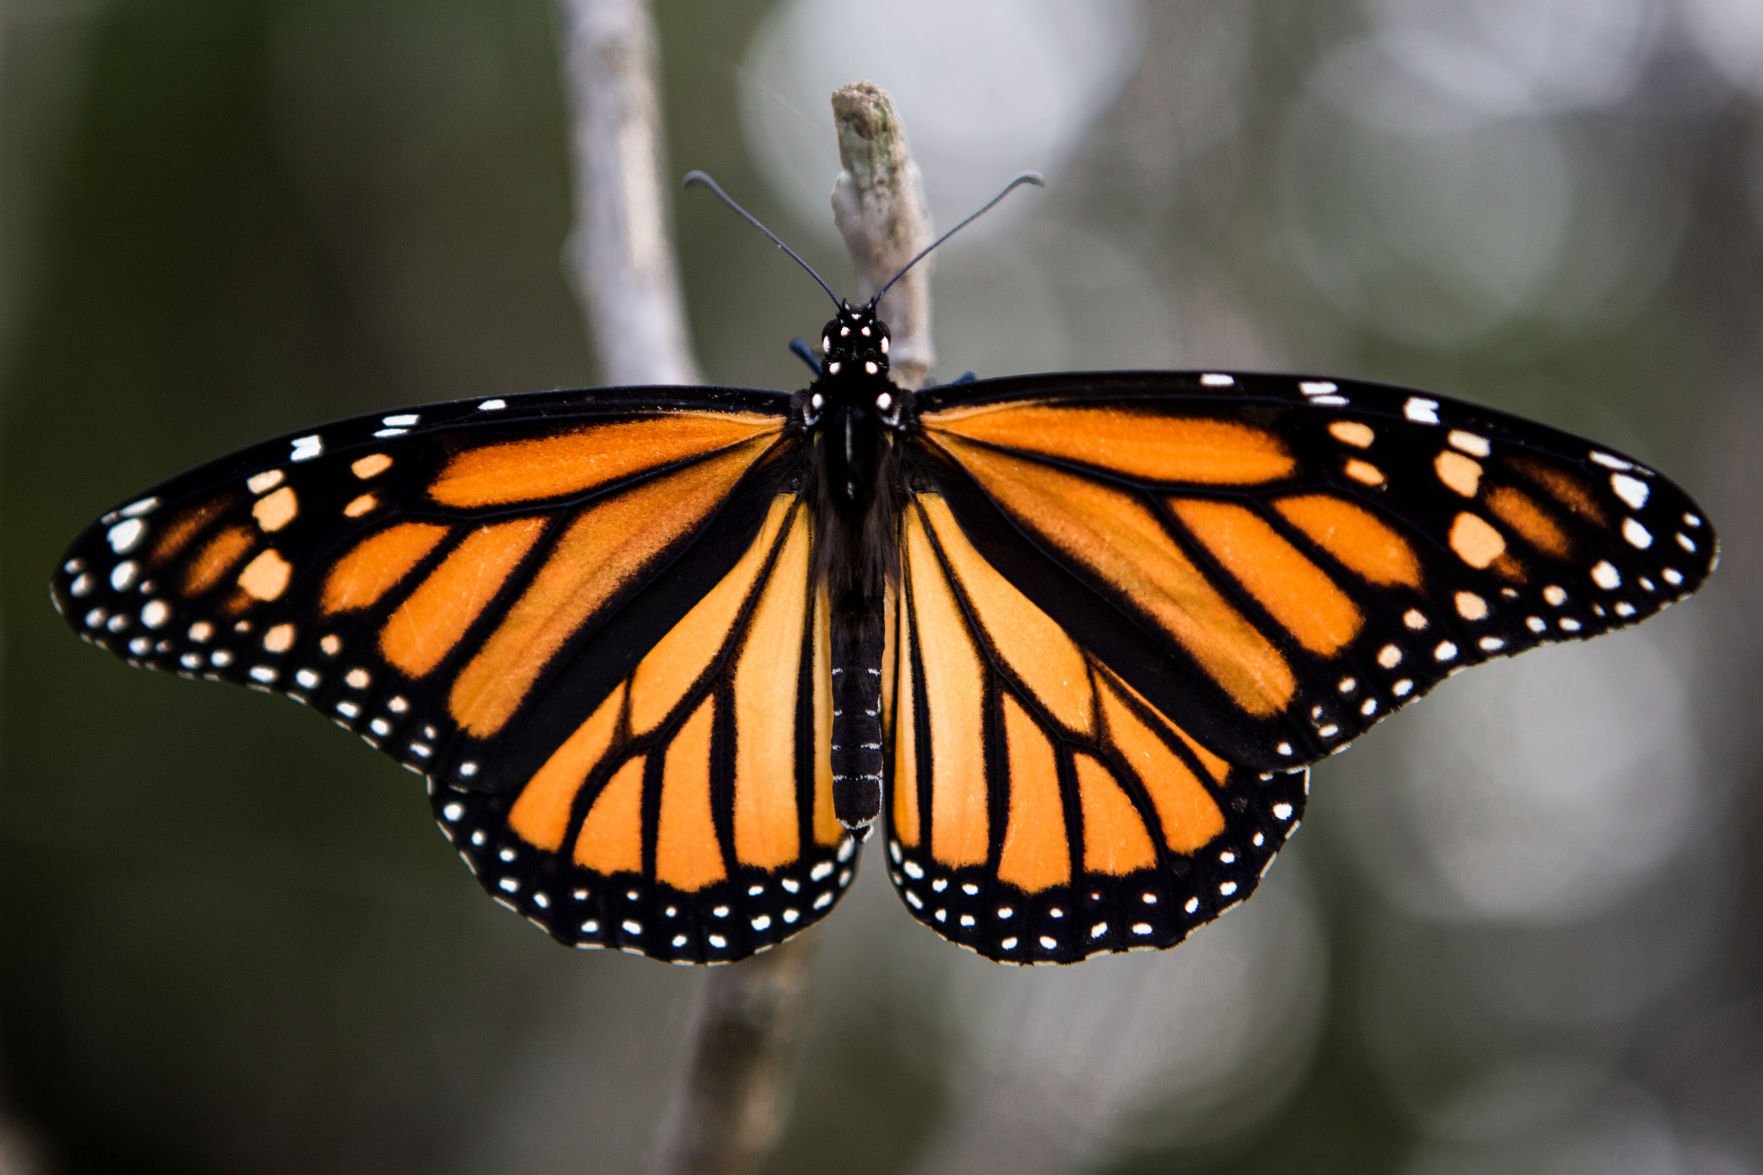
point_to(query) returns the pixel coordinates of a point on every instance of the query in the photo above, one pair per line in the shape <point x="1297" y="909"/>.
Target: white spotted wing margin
<point x="221" y="573"/>
<point x="1398" y="538"/>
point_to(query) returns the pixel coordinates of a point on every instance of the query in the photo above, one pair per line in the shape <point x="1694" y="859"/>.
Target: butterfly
<point x="666" y="656"/>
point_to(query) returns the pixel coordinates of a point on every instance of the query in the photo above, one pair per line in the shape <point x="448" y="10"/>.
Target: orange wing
<point x="510" y="597"/>
<point x="1041" y="809"/>
<point x="1135" y="604"/>
<point x="689" y="817"/>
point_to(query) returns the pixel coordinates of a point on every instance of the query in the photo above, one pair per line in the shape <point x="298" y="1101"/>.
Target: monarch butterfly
<point x="666" y="655"/>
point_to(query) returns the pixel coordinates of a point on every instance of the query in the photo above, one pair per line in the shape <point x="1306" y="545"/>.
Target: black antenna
<point x="1027" y="177"/>
<point x="698" y="177"/>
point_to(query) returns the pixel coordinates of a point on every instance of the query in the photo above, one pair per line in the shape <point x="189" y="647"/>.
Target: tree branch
<point x="620" y="248"/>
<point x="879" y="206"/>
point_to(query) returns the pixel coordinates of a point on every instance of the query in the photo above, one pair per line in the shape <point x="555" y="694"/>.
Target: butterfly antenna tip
<point x="1027" y="177"/>
<point x="697" y="177"/>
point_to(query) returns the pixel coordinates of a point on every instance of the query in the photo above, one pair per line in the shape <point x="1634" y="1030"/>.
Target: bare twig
<point x="620" y="248"/>
<point x="730" y="1110"/>
<point x="878" y="204"/>
<point x="731" y="1104"/>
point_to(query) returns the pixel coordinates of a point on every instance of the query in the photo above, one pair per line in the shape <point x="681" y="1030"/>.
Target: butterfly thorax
<point x="853" y="409"/>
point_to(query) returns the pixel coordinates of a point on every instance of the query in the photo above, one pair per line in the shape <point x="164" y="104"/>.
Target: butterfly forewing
<point x="467" y="586"/>
<point x="1281" y="562"/>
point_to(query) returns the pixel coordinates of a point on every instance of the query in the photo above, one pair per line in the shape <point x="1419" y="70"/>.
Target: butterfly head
<point x="854" y="344"/>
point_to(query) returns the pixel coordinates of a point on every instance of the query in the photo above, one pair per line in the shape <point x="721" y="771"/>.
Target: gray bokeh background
<point x="1520" y="929"/>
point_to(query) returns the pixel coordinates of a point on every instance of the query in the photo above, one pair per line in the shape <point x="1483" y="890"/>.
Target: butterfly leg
<point x="857" y="643"/>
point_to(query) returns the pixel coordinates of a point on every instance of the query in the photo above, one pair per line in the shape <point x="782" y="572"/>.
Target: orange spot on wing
<point x="276" y="509"/>
<point x="766" y="686"/>
<point x="827" y="829"/>
<point x="1352" y="432"/>
<point x="905" y="781"/>
<point x="1149" y="445"/>
<point x="1116" y="840"/>
<point x="1187" y="812"/>
<point x="429" y="624"/>
<point x="1362" y="542"/>
<point x="1363" y="472"/>
<point x="1297" y="593"/>
<point x="605" y="548"/>
<point x="376" y="564"/>
<point x="1562" y="486"/>
<point x="588" y="458"/>
<point x="178" y="533"/>
<point x="1521" y="512"/>
<point x="611" y="839"/>
<point x="687" y="855"/>
<point x="1036" y="854"/>
<point x="1035" y="649"/>
<point x="680" y="658"/>
<point x="1475" y="540"/>
<point x="216" y="558"/>
<point x="371" y="465"/>
<point x="541" y="815"/>
<point x="266" y="577"/>
<point x="1462" y="475"/>
<point x="1125" y="546"/>
<point x="954" y="687"/>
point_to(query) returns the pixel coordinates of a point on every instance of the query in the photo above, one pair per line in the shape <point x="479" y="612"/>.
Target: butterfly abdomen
<point x="857" y="643"/>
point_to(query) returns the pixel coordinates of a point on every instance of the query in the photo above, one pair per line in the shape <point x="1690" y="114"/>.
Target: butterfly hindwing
<point x="689" y="816"/>
<point x="1277" y="563"/>
<point x="1042" y="810"/>
<point x="467" y="586"/>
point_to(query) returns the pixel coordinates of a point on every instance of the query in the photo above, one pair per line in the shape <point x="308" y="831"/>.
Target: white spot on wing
<point x="306" y="448"/>
<point x="1475" y="446"/>
<point x="1421" y="410"/>
<point x="126" y="535"/>
<point x="1630" y="489"/>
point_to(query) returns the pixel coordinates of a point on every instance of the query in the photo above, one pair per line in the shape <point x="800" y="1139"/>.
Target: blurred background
<point x="1521" y="930"/>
